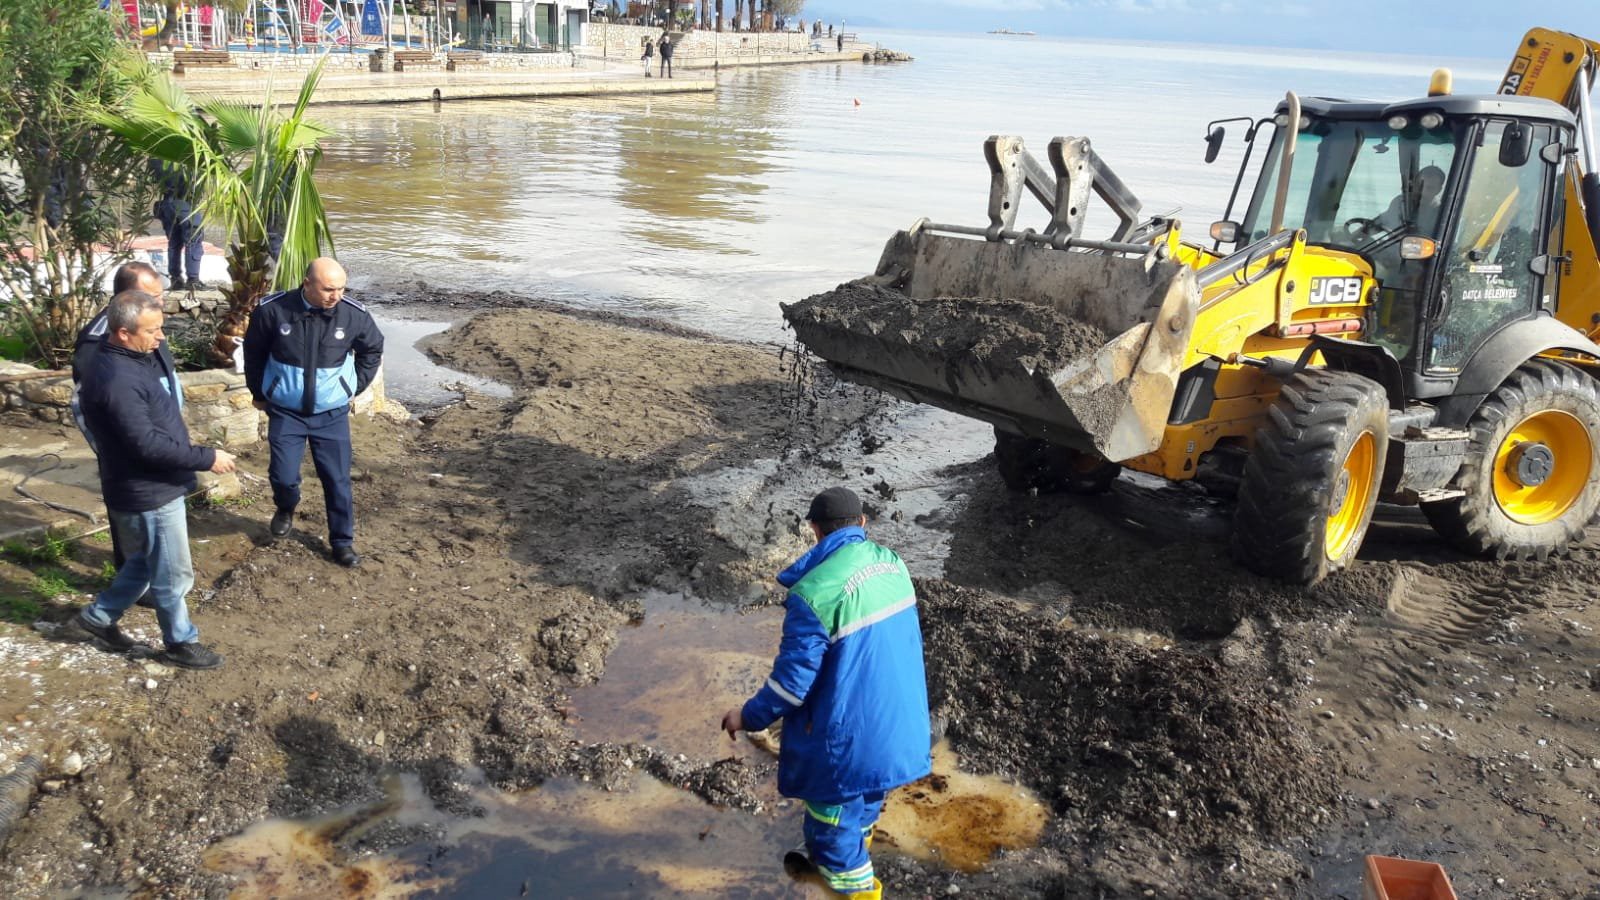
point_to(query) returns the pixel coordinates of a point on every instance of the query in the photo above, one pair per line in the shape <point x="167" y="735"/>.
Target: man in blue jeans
<point x="849" y="685"/>
<point x="147" y="467"/>
<point x="182" y="224"/>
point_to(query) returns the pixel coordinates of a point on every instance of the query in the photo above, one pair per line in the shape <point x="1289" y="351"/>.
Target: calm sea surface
<point x="709" y="210"/>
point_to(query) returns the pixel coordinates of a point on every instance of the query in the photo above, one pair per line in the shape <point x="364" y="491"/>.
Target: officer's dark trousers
<point x="329" y="436"/>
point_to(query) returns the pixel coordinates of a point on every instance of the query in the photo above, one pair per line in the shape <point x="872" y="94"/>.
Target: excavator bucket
<point x="1076" y="347"/>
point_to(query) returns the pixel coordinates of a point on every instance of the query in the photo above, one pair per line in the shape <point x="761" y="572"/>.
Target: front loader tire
<point x="1518" y="506"/>
<point x="1313" y="476"/>
<point x="1031" y="464"/>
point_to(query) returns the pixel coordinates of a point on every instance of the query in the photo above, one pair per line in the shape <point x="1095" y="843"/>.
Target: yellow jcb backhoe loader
<point x="1406" y="311"/>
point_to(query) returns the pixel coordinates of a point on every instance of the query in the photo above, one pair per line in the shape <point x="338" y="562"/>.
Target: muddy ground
<point x="1194" y="730"/>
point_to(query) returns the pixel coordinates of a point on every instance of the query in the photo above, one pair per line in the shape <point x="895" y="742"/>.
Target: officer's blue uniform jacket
<point x="848" y="680"/>
<point x="307" y="360"/>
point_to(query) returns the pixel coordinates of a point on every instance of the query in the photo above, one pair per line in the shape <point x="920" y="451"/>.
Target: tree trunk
<point x="754" y="22"/>
<point x="248" y="266"/>
<point x="719" y="15"/>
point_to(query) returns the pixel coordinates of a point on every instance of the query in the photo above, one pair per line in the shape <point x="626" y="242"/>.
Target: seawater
<point x="710" y="210"/>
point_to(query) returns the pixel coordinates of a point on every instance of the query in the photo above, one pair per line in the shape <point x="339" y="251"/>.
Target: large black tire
<point x="1030" y="464"/>
<point x="1499" y="515"/>
<point x="1313" y="476"/>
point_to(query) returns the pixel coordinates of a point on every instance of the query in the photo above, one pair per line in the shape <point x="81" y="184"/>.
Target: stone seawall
<point x="347" y="62"/>
<point x="627" y="42"/>
<point x="217" y="404"/>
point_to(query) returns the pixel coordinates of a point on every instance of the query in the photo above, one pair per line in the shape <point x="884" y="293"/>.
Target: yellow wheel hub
<point x="1352" y="493"/>
<point x="1542" y="467"/>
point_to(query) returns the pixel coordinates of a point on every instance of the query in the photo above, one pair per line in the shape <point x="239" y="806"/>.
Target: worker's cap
<point x="834" y="503"/>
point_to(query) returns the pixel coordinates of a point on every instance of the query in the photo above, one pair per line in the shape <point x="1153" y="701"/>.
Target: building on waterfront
<point x="521" y="24"/>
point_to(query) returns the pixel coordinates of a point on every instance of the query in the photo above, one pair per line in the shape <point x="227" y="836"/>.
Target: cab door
<point x="1485" y="276"/>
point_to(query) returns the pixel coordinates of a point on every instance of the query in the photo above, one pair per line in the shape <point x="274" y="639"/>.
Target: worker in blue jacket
<point x="307" y="353"/>
<point x="849" y="685"/>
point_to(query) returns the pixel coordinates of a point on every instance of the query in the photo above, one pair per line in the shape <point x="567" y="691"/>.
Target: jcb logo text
<point x="1335" y="291"/>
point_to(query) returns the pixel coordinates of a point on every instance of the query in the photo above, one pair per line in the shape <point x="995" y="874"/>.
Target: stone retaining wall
<point x="217" y="404"/>
<point x="345" y="62"/>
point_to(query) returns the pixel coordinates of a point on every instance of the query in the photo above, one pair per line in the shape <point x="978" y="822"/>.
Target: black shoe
<point x="798" y="862"/>
<point x="282" y="521"/>
<point x="145" y="600"/>
<point x="193" y="655"/>
<point x="195" y="284"/>
<point x="110" y="635"/>
<point x="346" y="556"/>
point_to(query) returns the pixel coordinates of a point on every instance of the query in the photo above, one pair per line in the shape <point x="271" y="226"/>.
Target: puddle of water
<point x="563" y="839"/>
<point x="417" y="381"/>
<point x="672" y="676"/>
<point x="666" y="684"/>
<point x="958" y="819"/>
<point x="572" y="839"/>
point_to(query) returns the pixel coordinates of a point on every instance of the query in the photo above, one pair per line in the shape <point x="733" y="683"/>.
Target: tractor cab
<point x="1452" y="201"/>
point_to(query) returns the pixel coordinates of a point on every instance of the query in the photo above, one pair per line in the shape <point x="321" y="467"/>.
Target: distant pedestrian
<point x="649" y="54"/>
<point x="666" y="55"/>
<point x="849" y="684"/>
<point x="307" y="353"/>
<point x="147" y="467"/>
<point x="841" y="42"/>
<point x="181" y="222"/>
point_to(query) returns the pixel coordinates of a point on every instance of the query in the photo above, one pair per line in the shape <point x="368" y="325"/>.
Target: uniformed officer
<point x="307" y="353"/>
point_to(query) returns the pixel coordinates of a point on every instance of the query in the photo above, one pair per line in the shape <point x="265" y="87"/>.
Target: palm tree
<point x="256" y="169"/>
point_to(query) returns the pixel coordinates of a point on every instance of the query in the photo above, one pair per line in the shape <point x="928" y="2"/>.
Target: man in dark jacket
<point x="134" y="276"/>
<point x="147" y="467"/>
<point x="307" y="353"/>
<point x="850" y="687"/>
<point x="182" y="224"/>
<point x="668" y="45"/>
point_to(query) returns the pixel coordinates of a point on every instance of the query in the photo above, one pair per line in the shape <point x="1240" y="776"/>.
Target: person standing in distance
<point x="667" y="48"/>
<point x="307" y="353"/>
<point x="147" y="467"/>
<point x="850" y="687"/>
<point x="182" y="224"/>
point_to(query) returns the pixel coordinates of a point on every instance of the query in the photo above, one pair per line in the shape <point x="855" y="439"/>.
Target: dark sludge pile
<point x="979" y="330"/>
<point x="1114" y="735"/>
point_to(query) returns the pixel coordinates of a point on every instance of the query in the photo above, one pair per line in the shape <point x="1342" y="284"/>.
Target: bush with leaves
<point x="71" y="192"/>
<point x="256" y="166"/>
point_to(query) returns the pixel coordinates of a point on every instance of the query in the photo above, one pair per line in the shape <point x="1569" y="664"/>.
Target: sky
<point x="1457" y="28"/>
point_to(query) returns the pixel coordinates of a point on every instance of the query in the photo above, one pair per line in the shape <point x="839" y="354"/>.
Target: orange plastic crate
<point x="1389" y="878"/>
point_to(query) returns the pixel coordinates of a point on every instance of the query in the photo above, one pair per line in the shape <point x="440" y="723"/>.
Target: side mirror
<point x="1516" y="145"/>
<point x="1225" y="232"/>
<point x="1214" y="143"/>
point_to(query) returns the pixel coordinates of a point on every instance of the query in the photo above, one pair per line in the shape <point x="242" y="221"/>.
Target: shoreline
<point x="589" y="75"/>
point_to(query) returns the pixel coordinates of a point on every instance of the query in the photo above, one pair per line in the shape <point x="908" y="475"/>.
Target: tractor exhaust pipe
<point x="1282" y="200"/>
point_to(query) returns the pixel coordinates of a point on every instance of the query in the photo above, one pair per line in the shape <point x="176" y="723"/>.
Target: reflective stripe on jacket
<point x="848" y="680"/>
